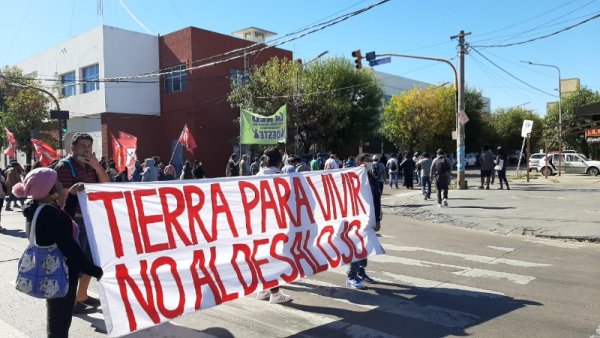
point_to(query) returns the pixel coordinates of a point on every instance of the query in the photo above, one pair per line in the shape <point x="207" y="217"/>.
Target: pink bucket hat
<point x="36" y="184"/>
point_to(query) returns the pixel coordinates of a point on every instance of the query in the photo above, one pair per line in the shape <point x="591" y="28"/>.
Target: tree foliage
<point x="24" y="108"/>
<point x="573" y="127"/>
<point x="505" y="126"/>
<point x="330" y="103"/>
<point x="424" y="118"/>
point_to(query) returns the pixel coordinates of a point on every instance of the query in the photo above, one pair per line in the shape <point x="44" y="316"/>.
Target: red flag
<point x="187" y="140"/>
<point x="44" y="152"/>
<point x="118" y="155"/>
<point x="10" y="151"/>
<point x="129" y="147"/>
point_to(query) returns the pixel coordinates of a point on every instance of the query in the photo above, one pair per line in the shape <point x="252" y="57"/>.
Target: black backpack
<point x="393" y="166"/>
<point x="442" y="166"/>
<point x="375" y="171"/>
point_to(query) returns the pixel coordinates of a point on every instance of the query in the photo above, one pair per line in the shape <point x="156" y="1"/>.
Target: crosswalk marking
<point x="462" y="270"/>
<point x="558" y="244"/>
<point x="501" y="248"/>
<point x="473" y="258"/>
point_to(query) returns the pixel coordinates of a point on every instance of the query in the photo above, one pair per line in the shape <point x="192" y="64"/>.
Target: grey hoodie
<point x="150" y="171"/>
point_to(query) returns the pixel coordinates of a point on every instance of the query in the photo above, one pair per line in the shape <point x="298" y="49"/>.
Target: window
<point x="89" y="78"/>
<point x="67" y="82"/>
<point x="176" y="79"/>
<point x="236" y="75"/>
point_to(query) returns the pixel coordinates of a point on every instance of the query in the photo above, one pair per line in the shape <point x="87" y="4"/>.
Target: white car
<point x="534" y="160"/>
<point x="471" y="160"/>
<point x="571" y="163"/>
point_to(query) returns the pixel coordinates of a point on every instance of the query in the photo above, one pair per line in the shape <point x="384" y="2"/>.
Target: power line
<point x="543" y="36"/>
<point x="509" y="74"/>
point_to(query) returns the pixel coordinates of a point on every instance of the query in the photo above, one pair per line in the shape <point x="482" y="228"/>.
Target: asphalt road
<point x="435" y="280"/>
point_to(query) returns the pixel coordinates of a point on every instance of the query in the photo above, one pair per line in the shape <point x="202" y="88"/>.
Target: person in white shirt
<point x="392" y="167"/>
<point x="331" y="162"/>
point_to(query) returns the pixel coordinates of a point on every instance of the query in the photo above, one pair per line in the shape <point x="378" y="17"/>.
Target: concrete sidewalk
<point x="566" y="207"/>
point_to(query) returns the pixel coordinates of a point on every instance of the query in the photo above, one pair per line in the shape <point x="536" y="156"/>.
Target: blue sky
<point x="417" y="27"/>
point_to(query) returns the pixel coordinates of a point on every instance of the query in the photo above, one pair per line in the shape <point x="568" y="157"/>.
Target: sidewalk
<point x="566" y="207"/>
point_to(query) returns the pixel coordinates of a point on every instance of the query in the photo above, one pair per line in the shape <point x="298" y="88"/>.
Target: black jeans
<point x="60" y="311"/>
<point x="502" y="178"/>
<point x="357" y="268"/>
<point x="441" y="185"/>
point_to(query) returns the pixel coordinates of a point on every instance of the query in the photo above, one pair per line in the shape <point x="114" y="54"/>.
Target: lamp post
<point x="560" y="140"/>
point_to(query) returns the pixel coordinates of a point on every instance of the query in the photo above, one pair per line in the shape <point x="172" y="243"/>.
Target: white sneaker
<point x="439" y="205"/>
<point x="263" y="295"/>
<point x="279" y="297"/>
<point x="445" y="202"/>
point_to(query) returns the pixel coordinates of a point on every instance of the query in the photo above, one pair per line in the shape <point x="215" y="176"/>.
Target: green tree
<point x="330" y="103"/>
<point x="25" y="108"/>
<point x="573" y="127"/>
<point x="424" y="118"/>
<point x="506" y="125"/>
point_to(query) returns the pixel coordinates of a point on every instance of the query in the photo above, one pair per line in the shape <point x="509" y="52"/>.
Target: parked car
<point x="572" y="163"/>
<point x="534" y="160"/>
<point x="513" y="157"/>
<point x="471" y="160"/>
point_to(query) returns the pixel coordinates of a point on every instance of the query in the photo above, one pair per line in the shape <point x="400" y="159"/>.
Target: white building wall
<point x="131" y="53"/>
<point x="394" y="84"/>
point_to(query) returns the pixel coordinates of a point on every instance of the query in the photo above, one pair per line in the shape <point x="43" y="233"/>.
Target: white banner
<point x="172" y="248"/>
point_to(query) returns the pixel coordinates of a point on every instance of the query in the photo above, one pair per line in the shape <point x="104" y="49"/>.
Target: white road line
<point x="463" y="270"/>
<point x="558" y="244"/>
<point x="467" y="257"/>
<point x="8" y="331"/>
<point x="501" y="248"/>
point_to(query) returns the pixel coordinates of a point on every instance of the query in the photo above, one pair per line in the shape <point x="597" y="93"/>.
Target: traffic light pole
<point x="460" y="104"/>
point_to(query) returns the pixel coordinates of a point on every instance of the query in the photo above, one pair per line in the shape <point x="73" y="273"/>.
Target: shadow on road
<point x="407" y="311"/>
<point x="481" y="207"/>
<point x="14" y="233"/>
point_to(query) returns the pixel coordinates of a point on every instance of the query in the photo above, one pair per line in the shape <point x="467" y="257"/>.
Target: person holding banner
<point x="356" y="272"/>
<point x="273" y="159"/>
<point x="54" y="226"/>
<point x="82" y="166"/>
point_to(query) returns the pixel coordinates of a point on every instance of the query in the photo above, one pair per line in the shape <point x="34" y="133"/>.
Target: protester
<point x="424" y="168"/>
<point x="314" y="164"/>
<point x="136" y="175"/>
<point x="487" y="165"/>
<point x="302" y="166"/>
<point x="13" y="176"/>
<point x="232" y="168"/>
<point x="392" y="167"/>
<point x="198" y="170"/>
<point x="356" y="272"/>
<point x="501" y="163"/>
<point x="187" y="171"/>
<point x="255" y="166"/>
<point x="350" y="162"/>
<point x="378" y="172"/>
<point x="245" y="165"/>
<point x="81" y="166"/>
<point x="408" y="168"/>
<point x="170" y="171"/>
<point x="332" y="162"/>
<point x="441" y="170"/>
<point x="290" y="166"/>
<point x="150" y="173"/>
<point x="273" y="159"/>
<point x="54" y="226"/>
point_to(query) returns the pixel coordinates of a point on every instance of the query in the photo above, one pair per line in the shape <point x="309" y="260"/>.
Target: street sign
<point x="380" y="61"/>
<point x="526" y="129"/>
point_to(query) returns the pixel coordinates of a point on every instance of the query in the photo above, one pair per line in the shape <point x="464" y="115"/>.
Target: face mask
<point x="368" y="166"/>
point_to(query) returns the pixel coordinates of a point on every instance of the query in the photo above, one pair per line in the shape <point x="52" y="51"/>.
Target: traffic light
<point x="63" y="126"/>
<point x="356" y="54"/>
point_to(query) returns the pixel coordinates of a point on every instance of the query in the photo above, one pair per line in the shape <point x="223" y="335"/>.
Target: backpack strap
<point x="73" y="172"/>
<point x="32" y="237"/>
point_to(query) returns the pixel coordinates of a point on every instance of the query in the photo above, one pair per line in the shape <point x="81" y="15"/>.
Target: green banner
<point x="261" y="129"/>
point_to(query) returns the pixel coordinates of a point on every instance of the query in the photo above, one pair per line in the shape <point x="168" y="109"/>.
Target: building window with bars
<point x="67" y="82"/>
<point x="175" y="79"/>
<point x="89" y="78"/>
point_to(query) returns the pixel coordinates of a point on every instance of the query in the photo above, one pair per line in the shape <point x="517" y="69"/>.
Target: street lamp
<point x="560" y="140"/>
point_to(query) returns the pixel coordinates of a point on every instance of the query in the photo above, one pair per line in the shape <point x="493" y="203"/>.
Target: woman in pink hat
<point x="52" y="226"/>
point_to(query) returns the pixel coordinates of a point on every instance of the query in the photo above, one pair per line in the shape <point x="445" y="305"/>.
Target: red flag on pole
<point x="10" y="151"/>
<point x="118" y="155"/>
<point x="129" y="147"/>
<point x="44" y="152"/>
<point x="187" y="140"/>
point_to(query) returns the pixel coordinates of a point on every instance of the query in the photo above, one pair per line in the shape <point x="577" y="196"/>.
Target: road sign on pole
<point x="380" y="61"/>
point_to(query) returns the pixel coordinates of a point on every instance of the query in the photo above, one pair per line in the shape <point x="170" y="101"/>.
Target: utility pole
<point x="460" y="127"/>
